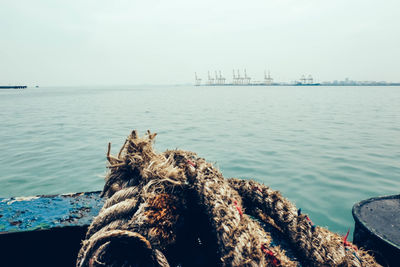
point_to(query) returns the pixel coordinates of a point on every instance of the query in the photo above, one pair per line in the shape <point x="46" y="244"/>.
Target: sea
<point x="324" y="148"/>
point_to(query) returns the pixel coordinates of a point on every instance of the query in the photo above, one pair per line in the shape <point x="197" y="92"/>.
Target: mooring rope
<point x="317" y="245"/>
<point x="149" y="194"/>
<point x="241" y="240"/>
<point x="140" y="207"/>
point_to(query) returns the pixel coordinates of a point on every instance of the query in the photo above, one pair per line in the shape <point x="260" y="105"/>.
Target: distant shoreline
<point x="285" y="84"/>
<point x="13" y="87"/>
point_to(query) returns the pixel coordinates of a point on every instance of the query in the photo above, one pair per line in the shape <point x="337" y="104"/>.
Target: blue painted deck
<point x="44" y="212"/>
<point x="45" y="230"/>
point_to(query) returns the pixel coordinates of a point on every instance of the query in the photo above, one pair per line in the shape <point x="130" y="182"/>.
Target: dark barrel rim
<point x="356" y="216"/>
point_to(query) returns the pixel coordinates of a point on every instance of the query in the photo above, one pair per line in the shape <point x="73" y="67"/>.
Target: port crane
<point x="210" y="79"/>
<point x="310" y="79"/>
<point x="240" y="79"/>
<point x="222" y="79"/>
<point x="197" y="80"/>
<point x="217" y="80"/>
<point x="303" y="79"/>
<point x="235" y="79"/>
<point x="246" y="78"/>
<point x="268" y="79"/>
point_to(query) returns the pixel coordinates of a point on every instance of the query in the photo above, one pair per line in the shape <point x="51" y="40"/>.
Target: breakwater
<point x="13" y="87"/>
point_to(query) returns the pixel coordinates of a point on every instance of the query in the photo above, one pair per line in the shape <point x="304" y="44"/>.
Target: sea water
<point x="324" y="148"/>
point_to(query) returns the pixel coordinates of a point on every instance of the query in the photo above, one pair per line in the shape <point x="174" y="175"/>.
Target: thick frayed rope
<point x="317" y="245"/>
<point x="139" y="203"/>
<point x="149" y="194"/>
<point x="241" y="240"/>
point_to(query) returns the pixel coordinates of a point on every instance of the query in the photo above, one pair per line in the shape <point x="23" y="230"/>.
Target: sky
<point x="99" y="42"/>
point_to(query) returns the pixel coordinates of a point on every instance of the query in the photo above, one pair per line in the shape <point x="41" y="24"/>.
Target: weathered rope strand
<point x="135" y="212"/>
<point x="241" y="241"/>
<point x="316" y="244"/>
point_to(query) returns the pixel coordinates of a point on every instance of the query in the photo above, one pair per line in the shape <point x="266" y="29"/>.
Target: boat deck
<point x="45" y="230"/>
<point x="48" y="230"/>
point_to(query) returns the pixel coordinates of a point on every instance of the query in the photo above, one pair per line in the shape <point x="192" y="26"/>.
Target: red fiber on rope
<point x="347" y="243"/>
<point x="311" y="223"/>
<point x="191" y="163"/>
<point x="239" y="209"/>
<point x="270" y="255"/>
<point x="257" y="188"/>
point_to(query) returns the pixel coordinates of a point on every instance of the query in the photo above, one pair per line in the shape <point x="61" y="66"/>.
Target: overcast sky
<point x="99" y="42"/>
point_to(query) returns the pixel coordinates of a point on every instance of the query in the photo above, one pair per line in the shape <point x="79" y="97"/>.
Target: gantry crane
<point x="235" y="79"/>
<point x="240" y="79"/>
<point x="310" y="79"/>
<point x="197" y="80"/>
<point x="303" y="79"/>
<point x="210" y="79"/>
<point x="222" y="79"/>
<point x="246" y="78"/>
<point x="268" y="79"/>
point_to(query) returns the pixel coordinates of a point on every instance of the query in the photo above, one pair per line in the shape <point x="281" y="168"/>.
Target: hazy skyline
<point x="165" y="42"/>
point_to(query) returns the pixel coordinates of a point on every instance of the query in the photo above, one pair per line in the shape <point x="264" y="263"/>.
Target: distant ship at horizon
<point x="303" y="81"/>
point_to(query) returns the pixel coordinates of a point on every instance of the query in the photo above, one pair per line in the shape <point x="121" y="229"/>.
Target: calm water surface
<point x="324" y="148"/>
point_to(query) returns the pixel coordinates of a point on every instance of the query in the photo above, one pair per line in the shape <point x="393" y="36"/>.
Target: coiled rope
<point x="149" y="194"/>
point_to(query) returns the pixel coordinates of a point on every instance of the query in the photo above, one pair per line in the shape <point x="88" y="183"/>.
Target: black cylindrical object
<point x="377" y="228"/>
